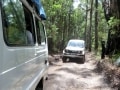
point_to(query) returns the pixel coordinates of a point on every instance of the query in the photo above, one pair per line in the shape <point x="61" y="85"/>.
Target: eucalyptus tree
<point x="90" y="27"/>
<point x="86" y="23"/>
<point x="59" y="20"/>
<point x="112" y="15"/>
<point x="96" y="25"/>
<point x="64" y="22"/>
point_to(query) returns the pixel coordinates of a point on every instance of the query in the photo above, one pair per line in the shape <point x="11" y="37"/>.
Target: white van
<point x="23" y="46"/>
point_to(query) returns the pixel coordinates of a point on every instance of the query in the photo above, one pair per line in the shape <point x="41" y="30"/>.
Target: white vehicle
<point x="74" y="49"/>
<point x="23" y="46"/>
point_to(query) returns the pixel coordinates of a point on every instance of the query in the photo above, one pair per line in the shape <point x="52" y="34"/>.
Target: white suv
<point x="74" y="49"/>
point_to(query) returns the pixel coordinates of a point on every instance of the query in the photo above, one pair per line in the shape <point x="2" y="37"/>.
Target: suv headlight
<point x="65" y="51"/>
<point x="83" y="52"/>
<point x="80" y="52"/>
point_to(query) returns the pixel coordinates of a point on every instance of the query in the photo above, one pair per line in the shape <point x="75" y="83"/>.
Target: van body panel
<point x="1" y="45"/>
<point x="21" y="67"/>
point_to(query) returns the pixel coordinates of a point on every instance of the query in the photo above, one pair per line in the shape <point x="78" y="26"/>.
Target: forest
<point x="93" y="21"/>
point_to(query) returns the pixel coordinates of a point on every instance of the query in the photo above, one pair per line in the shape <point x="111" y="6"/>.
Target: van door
<point x="41" y="48"/>
<point x="19" y="67"/>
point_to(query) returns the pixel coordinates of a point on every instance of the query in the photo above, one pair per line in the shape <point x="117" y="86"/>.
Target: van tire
<point x="40" y="85"/>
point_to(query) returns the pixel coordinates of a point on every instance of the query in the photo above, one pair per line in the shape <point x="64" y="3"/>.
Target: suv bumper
<point x="73" y="55"/>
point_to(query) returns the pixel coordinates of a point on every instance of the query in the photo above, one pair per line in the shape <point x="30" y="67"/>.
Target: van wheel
<point x="40" y="85"/>
<point x="64" y="59"/>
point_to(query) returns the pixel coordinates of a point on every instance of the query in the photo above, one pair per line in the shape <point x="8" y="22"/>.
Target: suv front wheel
<point x="83" y="59"/>
<point x="64" y="59"/>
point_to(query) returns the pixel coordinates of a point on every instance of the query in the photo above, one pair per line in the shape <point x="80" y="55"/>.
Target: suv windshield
<point x="76" y="44"/>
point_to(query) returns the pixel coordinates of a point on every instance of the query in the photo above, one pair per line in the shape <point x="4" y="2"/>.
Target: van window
<point x="17" y="23"/>
<point x="30" y="32"/>
<point x="40" y="33"/>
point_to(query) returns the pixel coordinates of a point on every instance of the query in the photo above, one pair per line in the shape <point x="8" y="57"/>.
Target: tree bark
<point x="96" y="25"/>
<point x="85" y="33"/>
<point x="112" y="9"/>
<point x="90" y="34"/>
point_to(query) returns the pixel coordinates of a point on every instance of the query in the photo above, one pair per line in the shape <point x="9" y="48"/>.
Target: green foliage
<point x="102" y="26"/>
<point x="64" y="22"/>
<point x="56" y="7"/>
<point x="115" y="57"/>
<point x="113" y="22"/>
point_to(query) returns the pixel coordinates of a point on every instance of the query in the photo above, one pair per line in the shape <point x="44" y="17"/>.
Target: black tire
<point x="83" y="59"/>
<point x="64" y="59"/>
<point x="40" y="85"/>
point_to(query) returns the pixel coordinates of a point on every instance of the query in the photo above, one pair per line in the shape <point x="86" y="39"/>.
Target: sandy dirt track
<point x="74" y="76"/>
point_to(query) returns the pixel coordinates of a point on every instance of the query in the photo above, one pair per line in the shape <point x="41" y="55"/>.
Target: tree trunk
<point x="90" y="34"/>
<point x="96" y="25"/>
<point x="112" y="9"/>
<point x="85" y="33"/>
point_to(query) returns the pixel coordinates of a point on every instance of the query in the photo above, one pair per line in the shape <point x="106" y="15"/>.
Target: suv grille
<point x="75" y="52"/>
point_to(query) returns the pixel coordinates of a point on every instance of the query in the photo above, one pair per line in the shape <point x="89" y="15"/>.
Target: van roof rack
<point x="40" y="8"/>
